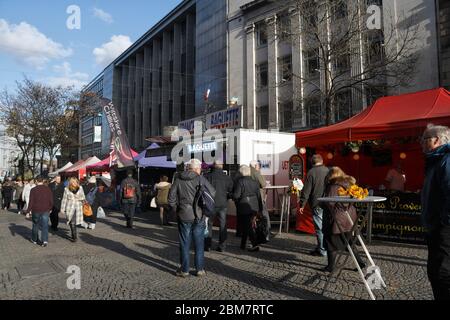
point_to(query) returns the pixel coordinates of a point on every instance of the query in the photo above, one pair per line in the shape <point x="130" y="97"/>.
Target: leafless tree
<point x="343" y="52"/>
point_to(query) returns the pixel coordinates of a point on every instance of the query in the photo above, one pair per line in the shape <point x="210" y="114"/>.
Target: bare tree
<point x="343" y="54"/>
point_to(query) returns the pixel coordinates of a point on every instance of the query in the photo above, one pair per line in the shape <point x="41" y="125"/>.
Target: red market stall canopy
<point x="388" y="117"/>
<point x="102" y="166"/>
<point x="82" y="164"/>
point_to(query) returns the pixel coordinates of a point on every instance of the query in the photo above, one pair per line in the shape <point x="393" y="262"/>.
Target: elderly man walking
<point x="314" y="188"/>
<point x="436" y="207"/>
<point x="181" y="200"/>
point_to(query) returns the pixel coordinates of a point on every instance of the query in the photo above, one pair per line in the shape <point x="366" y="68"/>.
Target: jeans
<point x="128" y="209"/>
<point x="187" y="231"/>
<point x="317" y="218"/>
<point x="40" y="221"/>
<point x="438" y="267"/>
<point x="221" y="214"/>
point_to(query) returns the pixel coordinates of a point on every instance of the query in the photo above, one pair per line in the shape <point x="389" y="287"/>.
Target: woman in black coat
<point x="248" y="201"/>
<point x="334" y="214"/>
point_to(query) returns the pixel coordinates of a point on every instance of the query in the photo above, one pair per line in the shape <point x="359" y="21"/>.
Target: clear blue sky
<point x="35" y="41"/>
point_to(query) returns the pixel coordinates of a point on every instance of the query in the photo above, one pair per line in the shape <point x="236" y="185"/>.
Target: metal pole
<point x="369" y="223"/>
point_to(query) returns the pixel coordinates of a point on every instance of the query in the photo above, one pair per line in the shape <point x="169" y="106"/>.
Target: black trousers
<point x="221" y="214"/>
<point x="128" y="209"/>
<point x="54" y="219"/>
<point x="20" y="204"/>
<point x="438" y="267"/>
<point x="7" y="202"/>
<point x="247" y="230"/>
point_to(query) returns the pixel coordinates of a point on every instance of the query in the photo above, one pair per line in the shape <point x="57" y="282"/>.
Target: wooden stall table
<point x="363" y="216"/>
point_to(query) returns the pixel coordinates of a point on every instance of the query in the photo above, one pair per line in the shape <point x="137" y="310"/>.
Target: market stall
<point x="56" y="172"/>
<point x="79" y="168"/>
<point x="382" y="137"/>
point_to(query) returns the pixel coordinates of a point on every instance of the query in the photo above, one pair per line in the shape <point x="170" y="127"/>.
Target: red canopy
<point x="103" y="165"/>
<point x="394" y="116"/>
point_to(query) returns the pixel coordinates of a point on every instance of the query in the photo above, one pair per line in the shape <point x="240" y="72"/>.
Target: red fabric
<point x="394" y="116"/>
<point x="304" y="222"/>
<point x="103" y="165"/>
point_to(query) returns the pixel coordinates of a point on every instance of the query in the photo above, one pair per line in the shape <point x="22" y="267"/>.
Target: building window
<point x="342" y="61"/>
<point x="312" y="62"/>
<point x="343" y="102"/>
<point x="374" y="2"/>
<point x="262" y="116"/>
<point x="285" y="115"/>
<point x="261" y="34"/>
<point x="374" y="93"/>
<point x="262" y="77"/>
<point x="313" y="112"/>
<point x="339" y="10"/>
<point x="284" y="26"/>
<point x="375" y="47"/>
<point x="285" y="69"/>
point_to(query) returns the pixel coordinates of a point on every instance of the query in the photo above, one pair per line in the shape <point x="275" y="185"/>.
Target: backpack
<point x="129" y="191"/>
<point x="90" y="197"/>
<point x="204" y="200"/>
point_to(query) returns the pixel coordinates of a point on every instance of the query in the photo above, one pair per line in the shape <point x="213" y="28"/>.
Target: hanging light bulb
<point x="330" y="156"/>
<point x="356" y="157"/>
<point x="402" y="155"/>
<point x="302" y="150"/>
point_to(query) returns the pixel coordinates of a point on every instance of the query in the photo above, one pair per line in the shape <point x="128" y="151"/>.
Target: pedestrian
<point x="163" y="188"/>
<point x="91" y="192"/>
<point x="40" y="204"/>
<point x="1" y="196"/>
<point x="130" y="193"/>
<point x="57" y="188"/>
<point x="18" y="196"/>
<point x="255" y="168"/>
<point x="190" y="226"/>
<point x="314" y="188"/>
<point x="436" y="207"/>
<point x="249" y="205"/>
<point x="26" y="193"/>
<point x="7" y="192"/>
<point x="223" y="184"/>
<point x="336" y="225"/>
<point x="72" y="206"/>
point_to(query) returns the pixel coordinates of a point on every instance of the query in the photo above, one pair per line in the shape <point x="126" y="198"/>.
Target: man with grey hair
<point x="436" y="207"/>
<point x="314" y="189"/>
<point x="224" y="189"/>
<point x="181" y="200"/>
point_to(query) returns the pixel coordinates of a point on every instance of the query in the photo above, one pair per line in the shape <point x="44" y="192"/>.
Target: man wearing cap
<point x="224" y="191"/>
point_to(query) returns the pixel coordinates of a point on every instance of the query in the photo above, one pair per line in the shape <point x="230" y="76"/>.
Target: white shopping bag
<point x="153" y="203"/>
<point x="101" y="213"/>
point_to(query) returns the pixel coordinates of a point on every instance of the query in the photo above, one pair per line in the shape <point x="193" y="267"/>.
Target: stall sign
<point x="225" y="119"/>
<point x="295" y="167"/>
<point x="189" y="124"/>
<point x="398" y="218"/>
<point x="202" y="147"/>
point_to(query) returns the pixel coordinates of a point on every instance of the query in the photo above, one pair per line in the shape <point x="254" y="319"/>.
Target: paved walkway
<point x="118" y="263"/>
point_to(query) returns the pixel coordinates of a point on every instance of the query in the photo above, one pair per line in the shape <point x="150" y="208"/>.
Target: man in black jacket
<point x="224" y="188"/>
<point x="190" y="226"/>
<point x="58" y="191"/>
<point x="313" y="189"/>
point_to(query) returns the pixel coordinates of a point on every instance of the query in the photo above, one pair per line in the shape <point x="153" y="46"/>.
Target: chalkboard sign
<point x="296" y="167"/>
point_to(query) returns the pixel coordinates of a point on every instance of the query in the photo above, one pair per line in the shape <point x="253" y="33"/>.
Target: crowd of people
<point x="195" y="218"/>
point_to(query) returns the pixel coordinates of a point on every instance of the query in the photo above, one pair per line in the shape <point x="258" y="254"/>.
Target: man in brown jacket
<point x="40" y="205"/>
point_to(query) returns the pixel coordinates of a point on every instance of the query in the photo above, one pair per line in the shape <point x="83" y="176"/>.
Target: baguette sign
<point x="225" y="119"/>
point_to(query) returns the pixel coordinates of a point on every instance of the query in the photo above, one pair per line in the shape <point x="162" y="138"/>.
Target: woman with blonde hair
<point x="335" y="214"/>
<point x="72" y="206"/>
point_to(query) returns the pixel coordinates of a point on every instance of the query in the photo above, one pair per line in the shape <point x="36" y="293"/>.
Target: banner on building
<point x="97" y="134"/>
<point x="120" y="154"/>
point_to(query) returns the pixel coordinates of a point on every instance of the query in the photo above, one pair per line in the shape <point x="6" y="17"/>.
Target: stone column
<point x="250" y="112"/>
<point x="165" y="80"/>
<point x="272" y="46"/>
<point x="155" y="90"/>
<point x="176" y="73"/>
<point x="138" y="141"/>
<point x="131" y="99"/>
<point x="299" y="113"/>
<point x="190" y="63"/>
<point x="146" y="100"/>
<point x="124" y="96"/>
